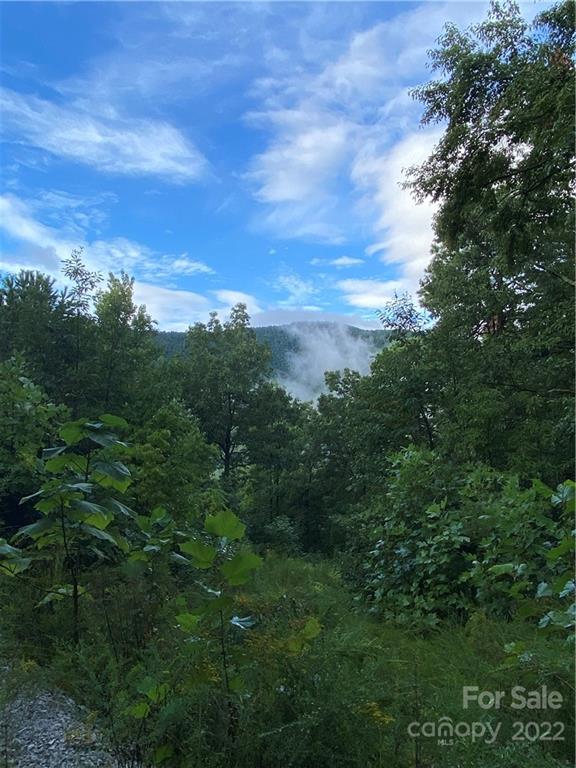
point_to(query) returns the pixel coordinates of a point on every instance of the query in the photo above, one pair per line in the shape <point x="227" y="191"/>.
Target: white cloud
<point x="185" y="266"/>
<point x="229" y="298"/>
<point x="298" y="289"/>
<point x="402" y="228"/>
<point x="109" y="142"/>
<point x="337" y="135"/>
<point x="369" y="294"/>
<point x="302" y="161"/>
<point x="43" y="247"/>
<point x="174" y="310"/>
<point x="346" y="261"/>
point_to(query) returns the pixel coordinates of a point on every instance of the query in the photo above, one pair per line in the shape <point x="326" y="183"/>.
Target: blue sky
<point x="221" y="152"/>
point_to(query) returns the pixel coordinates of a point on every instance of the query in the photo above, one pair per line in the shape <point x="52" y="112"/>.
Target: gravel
<point x="48" y="730"/>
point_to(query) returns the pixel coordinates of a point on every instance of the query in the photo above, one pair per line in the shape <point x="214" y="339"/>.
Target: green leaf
<point x="311" y="629"/>
<point x="119" y="507"/>
<point x="73" y="432"/>
<point x="565" y="546"/>
<point x="50" y="453"/>
<point x="500" y="570"/>
<point x="58" y="593"/>
<point x="7" y="549"/>
<point x="180" y="559"/>
<point x="98" y="516"/>
<point x="203" y="555"/>
<point x="64" y="461"/>
<point x="116" y="422"/>
<point x="225" y="524"/>
<point x="24" y="499"/>
<point x="238" y="570"/>
<point x="295" y="644"/>
<point x="139" y="711"/>
<point x="98" y="534"/>
<point x="188" y="621"/>
<point x="35" y="530"/>
<point x="158" y="514"/>
<point x="152" y="689"/>
<point x="105" y="439"/>
<point x="14" y="565"/>
<point x="111" y="474"/>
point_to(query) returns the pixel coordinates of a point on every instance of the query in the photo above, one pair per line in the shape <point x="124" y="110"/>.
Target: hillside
<point x="288" y="341"/>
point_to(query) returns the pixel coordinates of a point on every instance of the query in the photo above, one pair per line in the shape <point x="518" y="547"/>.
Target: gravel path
<point x="48" y="730"/>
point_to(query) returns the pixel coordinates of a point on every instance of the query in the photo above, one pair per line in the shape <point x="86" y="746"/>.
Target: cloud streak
<point x="110" y="143"/>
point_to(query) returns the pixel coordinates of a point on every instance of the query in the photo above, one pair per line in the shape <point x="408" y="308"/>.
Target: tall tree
<point x="223" y="368"/>
<point x="126" y="346"/>
<point x="501" y="279"/>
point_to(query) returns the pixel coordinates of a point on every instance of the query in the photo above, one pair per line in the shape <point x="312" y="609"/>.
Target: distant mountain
<point x="287" y="342"/>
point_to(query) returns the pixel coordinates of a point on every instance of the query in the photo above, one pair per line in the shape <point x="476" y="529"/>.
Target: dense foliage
<point x="227" y="576"/>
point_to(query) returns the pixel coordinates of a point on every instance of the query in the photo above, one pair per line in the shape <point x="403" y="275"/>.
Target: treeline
<point x="440" y="483"/>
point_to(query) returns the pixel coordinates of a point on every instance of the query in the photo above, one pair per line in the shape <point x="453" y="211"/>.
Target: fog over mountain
<point x="322" y="347"/>
<point x="302" y="352"/>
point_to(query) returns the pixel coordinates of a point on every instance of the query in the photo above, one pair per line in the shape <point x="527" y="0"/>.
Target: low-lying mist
<point x="321" y="348"/>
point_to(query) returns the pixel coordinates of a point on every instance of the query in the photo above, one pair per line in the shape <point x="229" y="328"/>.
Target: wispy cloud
<point x="43" y="247"/>
<point x="402" y="229"/>
<point x="298" y="290"/>
<point x="107" y="142"/>
<point x="369" y="294"/>
<point x="342" y="262"/>
<point x="342" y="130"/>
<point x="229" y="298"/>
<point x="173" y="310"/>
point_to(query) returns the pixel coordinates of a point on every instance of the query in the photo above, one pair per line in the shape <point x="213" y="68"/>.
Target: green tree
<point x="223" y="369"/>
<point x="35" y="320"/>
<point x="27" y="421"/>
<point x="125" y="345"/>
<point x="501" y="279"/>
<point x="172" y="463"/>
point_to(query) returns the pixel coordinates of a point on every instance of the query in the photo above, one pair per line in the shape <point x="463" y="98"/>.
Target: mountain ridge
<point x="285" y="341"/>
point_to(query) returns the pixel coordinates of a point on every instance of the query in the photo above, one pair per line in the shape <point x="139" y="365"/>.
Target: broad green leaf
<point x="203" y="555"/>
<point x="98" y="516"/>
<point x="225" y="524"/>
<point x="238" y="570"/>
<point x="50" y="453"/>
<point x="139" y="711"/>
<point x="24" y="499"/>
<point x="98" y="534"/>
<point x="65" y="461"/>
<point x="111" y="474"/>
<point x="158" y="514"/>
<point x="58" y="593"/>
<point x="180" y="559"/>
<point x="152" y="689"/>
<point x="295" y="644"/>
<point x="188" y="621"/>
<point x="119" y="507"/>
<point x="105" y="439"/>
<point x="35" y="530"/>
<point x="7" y="549"/>
<point x="73" y="432"/>
<point x="116" y="422"/>
<point x="311" y="629"/>
<point x="14" y="565"/>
